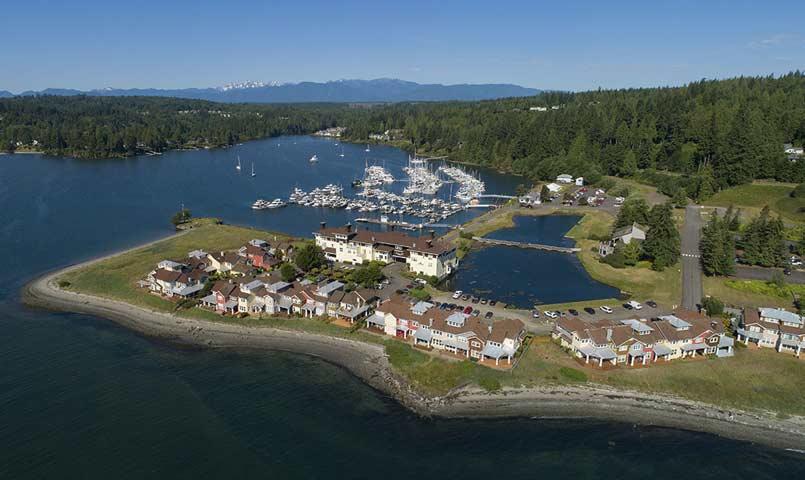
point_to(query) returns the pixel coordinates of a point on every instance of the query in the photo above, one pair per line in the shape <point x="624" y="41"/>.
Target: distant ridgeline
<point x="701" y="137"/>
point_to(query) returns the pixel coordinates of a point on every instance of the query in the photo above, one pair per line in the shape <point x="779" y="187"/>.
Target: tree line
<point x="101" y="127"/>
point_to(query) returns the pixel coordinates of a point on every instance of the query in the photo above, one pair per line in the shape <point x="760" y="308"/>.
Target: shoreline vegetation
<point x="544" y="383"/>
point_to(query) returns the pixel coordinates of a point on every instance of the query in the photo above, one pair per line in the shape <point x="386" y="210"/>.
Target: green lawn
<point x="747" y="293"/>
<point x="757" y="195"/>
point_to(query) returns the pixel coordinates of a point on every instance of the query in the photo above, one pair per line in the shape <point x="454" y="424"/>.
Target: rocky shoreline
<point x="369" y="363"/>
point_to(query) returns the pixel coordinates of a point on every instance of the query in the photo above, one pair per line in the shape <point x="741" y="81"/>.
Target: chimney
<point x="432" y="234"/>
<point x="349" y="227"/>
<point x="323" y="225"/>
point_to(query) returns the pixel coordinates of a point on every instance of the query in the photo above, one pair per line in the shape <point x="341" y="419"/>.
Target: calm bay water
<point x="525" y="277"/>
<point x="83" y="398"/>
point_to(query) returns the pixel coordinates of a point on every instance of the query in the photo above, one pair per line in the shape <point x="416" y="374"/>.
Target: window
<point x="476" y="344"/>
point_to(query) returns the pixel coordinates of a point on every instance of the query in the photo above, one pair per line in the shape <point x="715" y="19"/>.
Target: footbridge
<point x="536" y="246"/>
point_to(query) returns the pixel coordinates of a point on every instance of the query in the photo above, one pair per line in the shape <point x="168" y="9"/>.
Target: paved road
<point x="760" y="273"/>
<point x="691" y="262"/>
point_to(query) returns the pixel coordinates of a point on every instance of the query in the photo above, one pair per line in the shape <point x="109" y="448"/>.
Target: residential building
<point x="626" y="234"/>
<point x="773" y="328"/>
<point x="634" y="342"/>
<point x="426" y="326"/>
<point x="564" y="178"/>
<point x="423" y="255"/>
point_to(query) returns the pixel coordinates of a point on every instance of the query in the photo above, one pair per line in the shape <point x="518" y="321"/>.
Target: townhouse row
<point x="774" y="328"/>
<point x="469" y="336"/>
<point x="643" y="342"/>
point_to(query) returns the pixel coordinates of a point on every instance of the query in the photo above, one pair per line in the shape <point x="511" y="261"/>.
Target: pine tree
<point x="662" y="244"/>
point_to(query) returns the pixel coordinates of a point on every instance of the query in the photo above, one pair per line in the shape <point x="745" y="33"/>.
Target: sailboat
<point x="342" y="152"/>
<point x="314" y="159"/>
<point x="253" y="174"/>
<point x="367" y="148"/>
<point x="237" y="167"/>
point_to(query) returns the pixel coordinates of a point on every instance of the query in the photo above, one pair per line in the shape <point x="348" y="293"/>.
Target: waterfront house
<point x="564" y="178"/>
<point x="773" y="328"/>
<point x="553" y="188"/>
<point x="182" y="279"/>
<point x="223" y="261"/>
<point x="529" y="200"/>
<point x="423" y="255"/>
<point x="635" y="342"/>
<point x="627" y="234"/>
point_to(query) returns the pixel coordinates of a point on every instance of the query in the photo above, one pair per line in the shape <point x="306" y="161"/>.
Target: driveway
<point x="691" y="260"/>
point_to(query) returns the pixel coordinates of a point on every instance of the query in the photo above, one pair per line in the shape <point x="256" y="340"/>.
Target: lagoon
<point x="525" y="277"/>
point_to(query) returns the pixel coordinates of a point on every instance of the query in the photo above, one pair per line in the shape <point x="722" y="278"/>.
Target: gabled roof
<point x="167" y="275"/>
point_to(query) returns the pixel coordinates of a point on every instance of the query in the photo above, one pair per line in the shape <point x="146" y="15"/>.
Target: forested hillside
<point x="98" y="127"/>
<point x="714" y="133"/>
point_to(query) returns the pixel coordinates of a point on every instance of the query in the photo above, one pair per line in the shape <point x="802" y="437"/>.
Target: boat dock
<point x="406" y="225"/>
<point x="536" y="246"/>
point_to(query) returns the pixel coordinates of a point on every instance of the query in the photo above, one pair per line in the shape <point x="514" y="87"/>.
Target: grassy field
<point x="753" y="197"/>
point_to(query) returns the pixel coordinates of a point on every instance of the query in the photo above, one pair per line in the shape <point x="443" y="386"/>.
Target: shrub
<point x="465" y="235"/>
<point x="419" y="294"/>
<point x="63" y="284"/>
<point x="615" y="259"/>
<point x="713" y="306"/>
<point x="798" y="192"/>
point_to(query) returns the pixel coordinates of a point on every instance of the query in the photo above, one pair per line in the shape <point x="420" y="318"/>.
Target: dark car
<point x="443" y="306"/>
<point x="467" y="310"/>
<point x="476" y="312"/>
<point x="535" y="313"/>
<point x="651" y="303"/>
<point x="409" y="286"/>
<point x="589" y="310"/>
<point x="488" y="315"/>
<point x="573" y="312"/>
<point x="475" y="300"/>
<point x="627" y="306"/>
<point x="492" y="303"/>
<point x="787" y="271"/>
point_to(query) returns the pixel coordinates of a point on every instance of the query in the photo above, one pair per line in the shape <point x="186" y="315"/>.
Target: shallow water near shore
<point x="83" y="398"/>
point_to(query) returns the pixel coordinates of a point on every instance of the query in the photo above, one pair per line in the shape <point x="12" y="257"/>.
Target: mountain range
<point x="377" y="90"/>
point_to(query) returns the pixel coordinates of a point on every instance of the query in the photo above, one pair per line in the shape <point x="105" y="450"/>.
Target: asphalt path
<point x="691" y="259"/>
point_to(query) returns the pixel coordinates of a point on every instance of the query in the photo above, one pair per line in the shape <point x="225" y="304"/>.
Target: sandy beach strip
<point x="370" y="363"/>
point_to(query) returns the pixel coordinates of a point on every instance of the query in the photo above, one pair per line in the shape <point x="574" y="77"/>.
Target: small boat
<point x="357" y="183"/>
<point x="367" y="149"/>
<point x="237" y="167"/>
<point x="253" y="174"/>
<point x="314" y="159"/>
<point x="342" y="152"/>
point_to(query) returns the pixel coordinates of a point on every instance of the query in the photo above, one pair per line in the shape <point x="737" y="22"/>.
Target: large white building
<point x="423" y="255"/>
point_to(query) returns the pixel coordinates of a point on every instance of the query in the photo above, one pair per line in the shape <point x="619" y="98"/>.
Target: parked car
<point x="573" y="312"/>
<point x="628" y="306"/>
<point x="535" y="313"/>
<point x="476" y="312"/>
<point x="589" y="310"/>
<point x="651" y="303"/>
<point x="457" y="294"/>
<point x="483" y="301"/>
<point x="475" y="300"/>
<point x="605" y="309"/>
<point x="488" y="315"/>
<point x="465" y="297"/>
<point x="551" y="314"/>
<point x="492" y="303"/>
<point x="467" y="310"/>
<point x="787" y="271"/>
<point x="636" y="305"/>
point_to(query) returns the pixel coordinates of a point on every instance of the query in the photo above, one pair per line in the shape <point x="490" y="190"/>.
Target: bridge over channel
<point x="536" y="246"/>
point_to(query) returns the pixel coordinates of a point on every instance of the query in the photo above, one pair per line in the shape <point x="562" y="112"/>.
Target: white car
<point x="635" y="305"/>
<point x="550" y="314"/>
<point x="457" y="294"/>
<point x="606" y="309"/>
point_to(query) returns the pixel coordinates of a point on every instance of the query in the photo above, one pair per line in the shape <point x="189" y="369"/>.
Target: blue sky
<point x="557" y="45"/>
